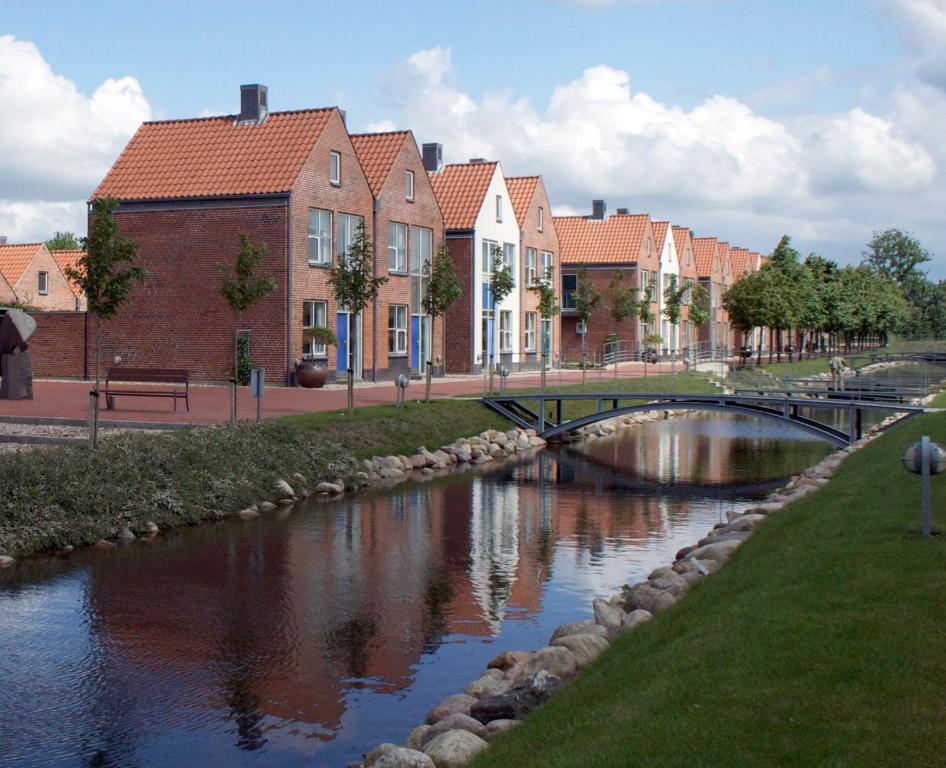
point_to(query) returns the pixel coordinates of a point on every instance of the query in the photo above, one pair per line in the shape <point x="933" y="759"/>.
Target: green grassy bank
<point x="822" y="643"/>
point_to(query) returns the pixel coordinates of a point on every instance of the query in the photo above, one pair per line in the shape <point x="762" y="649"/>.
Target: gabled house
<point x="540" y="254"/>
<point x="724" y="333"/>
<point x="407" y="231"/>
<point x="710" y="274"/>
<point x="187" y="191"/>
<point x="669" y="275"/>
<point x="478" y="218"/>
<point x="683" y="241"/>
<point x="69" y="260"/>
<point x="601" y="246"/>
<point x="30" y="275"/>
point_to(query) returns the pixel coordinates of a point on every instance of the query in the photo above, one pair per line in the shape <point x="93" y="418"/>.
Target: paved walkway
<point x="210" y="404"/>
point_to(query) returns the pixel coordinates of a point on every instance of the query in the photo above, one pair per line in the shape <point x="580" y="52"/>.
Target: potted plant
<point x="652" y="341"/>
<point x="312" y="374"/>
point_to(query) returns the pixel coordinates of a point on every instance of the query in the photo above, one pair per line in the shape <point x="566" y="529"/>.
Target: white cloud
<point x="922" y="26"/>
<point x="56" y="143"/>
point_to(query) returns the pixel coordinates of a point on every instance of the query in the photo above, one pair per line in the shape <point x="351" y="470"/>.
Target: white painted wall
<point x="506" y="231"/>
<point x="669" y="265"/>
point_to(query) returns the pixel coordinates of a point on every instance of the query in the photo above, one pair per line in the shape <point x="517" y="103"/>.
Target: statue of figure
<point x="16" y="366"/>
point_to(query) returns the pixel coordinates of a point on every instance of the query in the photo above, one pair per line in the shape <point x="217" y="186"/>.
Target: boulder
<point x="456" y="722"/>
<point x="557" y="659"/>
<point x="720" y="551"/>
<point x="418" y="461"/>
<point x="283" y="489"/>
<point x="648" y="597"/>
<point x="250" y="513"/>
<point x="104" y="544"/>
<point x="492" y="683"/>
<point x="402" y="757"/>
<point x="635" y="618"/>
<point x="454" y="748"/>
<point x="536" y="442"/>
<point x="682" y="553"/>
<point x="496" y="727"/>
<point x="332" y="488"/>
<point x="375" y="754"/>
<point x="266" y="506"/>
<point x="585" y="648"/>
<point x="519" y="701"/>
<point x="125" y="535"/>
<point x="671" y="582"/>
<point x="692" y="577"/>
<point x="151" y="528"/>
<point x="578" y="628"/>
<point x="746" y="522"/>
<point x="459" y="703"/>
<point x="6" y="561"/>
<point x="463" y="454"/>
<point x="508" y="659"/>
<point x="418" y="737"/>
<point x="607" y="615"/>
<point x="719" y="536"/>
<point x="389" y="473"/>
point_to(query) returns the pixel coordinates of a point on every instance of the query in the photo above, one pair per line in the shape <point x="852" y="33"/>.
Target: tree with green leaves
<point x="242" y="289"/>
<point x="355" y="286"/>
<point x="622" y="304"/>
<point x="896" y="254"/>
<point x="107" y="273"/>
<point x="501" y="284"/>
<point x="443" y="289"/>
<point x="674" y="296"/>
<point x="63" y="241"/>
<point x="586" y="298"/>
<point x="744" y="301"/>
<point x="544" y="289"/>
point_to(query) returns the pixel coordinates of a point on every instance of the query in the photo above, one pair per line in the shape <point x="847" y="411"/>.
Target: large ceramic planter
<point x="311" y="375"/>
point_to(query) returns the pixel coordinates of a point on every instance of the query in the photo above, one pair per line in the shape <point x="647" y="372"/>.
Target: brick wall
<point x="422" y="212"/>
<point x="57" y="348"/>
<point x="59" y="295"/>
<point x="547" y="240"/>
<point x="178" y="318"/>
<point x="459" y="332"/>
<point x="600" y="324"/>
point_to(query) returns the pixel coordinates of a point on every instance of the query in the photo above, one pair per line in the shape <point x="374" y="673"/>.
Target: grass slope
<point x="821" y="643"/>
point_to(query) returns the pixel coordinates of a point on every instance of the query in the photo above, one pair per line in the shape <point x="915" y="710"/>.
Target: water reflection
<point x="314" y="635"/>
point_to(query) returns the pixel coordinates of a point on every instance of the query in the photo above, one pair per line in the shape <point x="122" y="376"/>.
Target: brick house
<point x="710" y="274"/>
<point x="30" y="275"/>
<point x="724" y="335"/>
<point x="408" y="230"/>
<point x="621" y="242"/>
<point x="669" y="272"/>
<point x="683" y="240"/>
<point x="188" y="189"/>
<point x="478" y="217"/>
<point x="540" y="255"/>
<point x="66" y="260"/>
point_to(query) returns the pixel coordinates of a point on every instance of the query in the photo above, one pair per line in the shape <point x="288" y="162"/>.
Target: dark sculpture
<point x="16" y="367"/>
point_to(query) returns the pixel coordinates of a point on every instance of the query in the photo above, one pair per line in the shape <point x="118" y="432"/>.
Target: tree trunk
<point x="429" y="362"/>
<point x="758" y="360"/>
<point x="236" y="370"/>
<point x="352" y="343"/>
<point x="94" y="415"/>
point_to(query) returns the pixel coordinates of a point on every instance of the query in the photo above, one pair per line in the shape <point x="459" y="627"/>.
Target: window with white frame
<point x="528" y="335"/>
<point x="505" y="331"/>
<point x="509" y="259"/>
<point x="541" y="219"/>
<point x="546" y="339"/>
<point x="548" y="266"/>
<point x="43" y="283"/>
<point x="687" y="294"/>
<point x="499" y="208"/>
<point x="530" y="266"/>
<point x="488" y="246"/>
<point x="422" y="244"/>
<point x="335" y="168"/>
<point x="397" y="329"/>
<point x="345" y="234"/>
<point x="313" y="314"/>
<point x="645" y="279"/>
<point x="320" y="236"/>
<point x="409" y="185"/>
<point x="397" y="247"/>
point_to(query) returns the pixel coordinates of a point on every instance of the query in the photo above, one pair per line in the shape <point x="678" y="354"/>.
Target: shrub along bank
<point x="820" y="643"/>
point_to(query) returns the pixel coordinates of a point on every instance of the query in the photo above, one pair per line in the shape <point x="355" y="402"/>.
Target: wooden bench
<point x="171" y="376"/>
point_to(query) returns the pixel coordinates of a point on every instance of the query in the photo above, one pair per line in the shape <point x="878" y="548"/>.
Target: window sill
<point x="335" y="183"/>
<point x="398" y="272"/>
<point x="321" y="264"/>
<point x="408" y="199"/>
<point x="397" y="354"/>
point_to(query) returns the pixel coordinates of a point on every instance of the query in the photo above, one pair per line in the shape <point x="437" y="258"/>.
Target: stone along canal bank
<point x="515" y="683"/>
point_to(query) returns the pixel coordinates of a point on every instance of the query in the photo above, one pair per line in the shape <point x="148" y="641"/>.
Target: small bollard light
<point x="503" y="374"/>
<point x="401" y="383"/>
<point x="925" y="458"/>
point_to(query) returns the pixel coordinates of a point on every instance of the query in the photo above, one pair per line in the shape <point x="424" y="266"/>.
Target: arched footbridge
<point x="545" y="413"/>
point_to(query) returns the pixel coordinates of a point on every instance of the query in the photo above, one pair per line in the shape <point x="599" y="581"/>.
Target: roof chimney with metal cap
<point x="597" y="209"/>
<point x="622" y="211"/>
<point x="3" y="239"/>
<point x="433" y="157"/>
<point x="253" y="103"/>
<point x="477" y="160"/>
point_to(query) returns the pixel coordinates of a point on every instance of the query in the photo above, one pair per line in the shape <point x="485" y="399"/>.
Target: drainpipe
<point x="374" y="308"/>
<point x="289" y="374"/>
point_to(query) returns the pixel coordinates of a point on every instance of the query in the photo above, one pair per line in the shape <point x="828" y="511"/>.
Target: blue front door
<point x="415" y="342"/>
<point x="341" y="331"/>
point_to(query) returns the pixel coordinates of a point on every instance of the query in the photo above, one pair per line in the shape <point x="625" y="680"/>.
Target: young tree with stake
<point x="548" y="308"/>
<point x="355" y="286"/>
<point x="586" y="298"/>
<point x="443" y="289"/>
<point x="242" y="289"/>
<point x="501" y="284"/>
<point x="107" y="274"/>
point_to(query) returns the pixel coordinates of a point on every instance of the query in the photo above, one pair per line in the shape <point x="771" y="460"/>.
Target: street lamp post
<point x="925" y="458"/>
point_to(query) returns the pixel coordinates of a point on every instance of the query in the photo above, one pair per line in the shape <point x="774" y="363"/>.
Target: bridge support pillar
<point x="540" y="428"/>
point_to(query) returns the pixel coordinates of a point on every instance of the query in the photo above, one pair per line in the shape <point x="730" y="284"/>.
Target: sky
<point x="742" y="119"/>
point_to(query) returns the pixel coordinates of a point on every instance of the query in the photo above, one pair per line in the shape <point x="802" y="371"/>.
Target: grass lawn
<point x="822" y="643"/>
<point x="798" y="367"/>
<point x="922" y="345"/>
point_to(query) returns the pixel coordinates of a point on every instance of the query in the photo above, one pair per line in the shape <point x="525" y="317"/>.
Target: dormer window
<point x="541" y="221"/>
<point x="409" y="186"/>
<point x="499" y="209"/>
<point x="335" y="168"/>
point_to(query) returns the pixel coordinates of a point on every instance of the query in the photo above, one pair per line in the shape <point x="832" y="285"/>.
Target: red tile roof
<point x="68" y="259"/>
<point x="14" y="259"/>
<point x="625" y="236"/>
<point x="460" y="190"/>
<point x="660" y="234"/>
<point x="725" y="260"/>
<point x="377" y="153"/>
<point x="741" y="263"/>
<point x="680" y="237"/>
<point x="615" y="240"/>
<point x="214" y="156"/>
<point x="521" y="193"/>
<point x="579" y="238"/>
<point x="704" y="253"/>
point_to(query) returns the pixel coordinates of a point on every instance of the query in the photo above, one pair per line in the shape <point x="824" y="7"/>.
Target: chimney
<point x="433" y="157"/>
<point x="253" y="103"/>
<point x="477" y="160"/>
<point x="597" y="209"/>
<point x="622" y="211"/>
<point x="3" y="239"/>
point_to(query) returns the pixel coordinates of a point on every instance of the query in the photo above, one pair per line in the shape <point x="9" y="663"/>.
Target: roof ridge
<point x="403" y="131"/>
<point x="231" y="116"/>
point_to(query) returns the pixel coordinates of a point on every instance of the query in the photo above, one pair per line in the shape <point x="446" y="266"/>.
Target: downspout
<point x="289" y="371"/>
<point x="374" y="308"/>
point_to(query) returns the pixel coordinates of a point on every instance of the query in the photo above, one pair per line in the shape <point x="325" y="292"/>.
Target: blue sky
<point x="740" y="119"/>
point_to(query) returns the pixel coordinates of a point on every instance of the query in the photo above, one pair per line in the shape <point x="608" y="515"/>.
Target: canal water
<point x="307" y="637"/>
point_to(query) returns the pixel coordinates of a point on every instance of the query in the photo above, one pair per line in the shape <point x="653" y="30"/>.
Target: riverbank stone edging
<point x="516" y="683"/>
